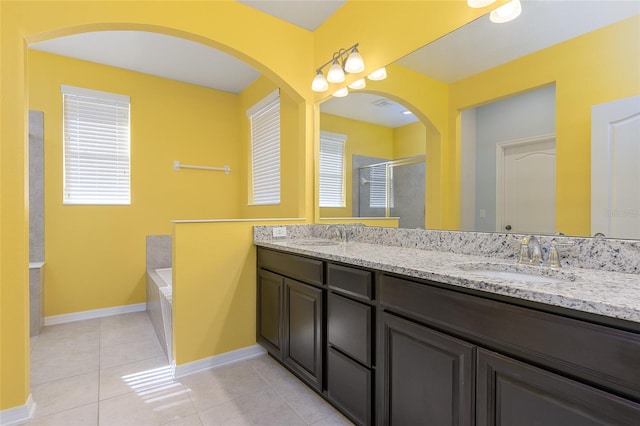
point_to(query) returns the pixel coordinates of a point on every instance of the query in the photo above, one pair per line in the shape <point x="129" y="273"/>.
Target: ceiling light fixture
<point x="358" y="84"/>
<point x="343" y="61"/>
<point x="341" y="93"/>
<point x="319" y="84"/>
<point x="379" y="74"/>
<point x="507" y="12"/>
<point x="479" y="3"/>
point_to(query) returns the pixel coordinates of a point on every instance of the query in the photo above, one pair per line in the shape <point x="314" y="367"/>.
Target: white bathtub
<point x="166" y="275"/>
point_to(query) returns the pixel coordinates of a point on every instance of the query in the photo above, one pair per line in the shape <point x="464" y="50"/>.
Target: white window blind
<point x="379" y="188"/>
<point x="265" y="150"/>
<point x="96" y="147"/>
<point x="331" y="174"/>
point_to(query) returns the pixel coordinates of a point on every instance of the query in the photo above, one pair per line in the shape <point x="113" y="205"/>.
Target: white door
<point x="615" y="168"/>
<point x="526" y="198"/>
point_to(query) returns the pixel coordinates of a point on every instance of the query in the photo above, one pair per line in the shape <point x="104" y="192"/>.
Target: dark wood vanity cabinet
<point x="270" y="314"/>
<point x="454" y="351"/>
<point x="303" y="329"/>
<point x="510" y="392"/>
<point x="391" y="350"/>
<point x="290" y="313"/>
<point x="426" y="377"/>
<point x="350" y="341"/>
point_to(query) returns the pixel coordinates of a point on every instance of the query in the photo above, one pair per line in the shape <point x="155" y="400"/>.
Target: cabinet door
<point x="425" y="377"/>
<point x="303" y="331"/>
<point x="513" y="393"/>
<point x="269" y="314"/>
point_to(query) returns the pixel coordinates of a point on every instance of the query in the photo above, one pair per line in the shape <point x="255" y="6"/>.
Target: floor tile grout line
<point x="286" y="401"/>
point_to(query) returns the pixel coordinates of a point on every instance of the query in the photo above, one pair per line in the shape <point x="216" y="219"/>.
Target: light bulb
<point x="319" y="83"/>
<point x="358" y="84"/>
<point x="379" y="74"/>
<point x="341" y="93"/>
<point x="336" y="73"/>
<point x="354" y="63"/>
<point x="479" y="3"/>
<point x="507" y="12"/>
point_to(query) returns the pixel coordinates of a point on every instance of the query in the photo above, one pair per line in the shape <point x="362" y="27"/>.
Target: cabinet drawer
<point x="349" y="386"/>
<point x="575" y="347"/>
<point x="290" y="265"/>
<point x="356" y="282"/>
<point x="349" y="327"/>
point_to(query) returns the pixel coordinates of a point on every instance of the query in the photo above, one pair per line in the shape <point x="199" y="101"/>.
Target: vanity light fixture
<point x="343" y="61"/>
<point x="358" y="84"/>
<point x="507" y="12"/>
<point x="319" y="84"/>
<point x="479" y="3"/>
<point x="379" y="74"/>
<point x="341" y="93"/>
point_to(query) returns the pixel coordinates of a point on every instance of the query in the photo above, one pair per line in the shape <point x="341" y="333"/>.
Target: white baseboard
<point x="96" y="313"/>
<point x="19" y="414"/>
<point x="217" y="361"/>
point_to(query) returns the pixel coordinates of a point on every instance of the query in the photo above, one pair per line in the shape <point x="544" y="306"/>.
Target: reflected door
<point x="528" y="187"/>
<point x="615" y="168"/>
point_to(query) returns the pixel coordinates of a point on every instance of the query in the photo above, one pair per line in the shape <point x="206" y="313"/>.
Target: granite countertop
<point x="604" y="293"/>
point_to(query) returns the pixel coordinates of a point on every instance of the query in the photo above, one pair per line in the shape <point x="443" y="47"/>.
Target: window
<point x="380" y="189"/>
<point x="331" y="174"/>
<point x="96" y="147"/>
<point x="265" y="150"/>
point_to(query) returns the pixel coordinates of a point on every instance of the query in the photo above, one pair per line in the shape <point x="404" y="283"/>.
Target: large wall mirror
<point x="499" y="118"/>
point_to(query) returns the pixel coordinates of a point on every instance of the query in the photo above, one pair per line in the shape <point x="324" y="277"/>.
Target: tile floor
<point x="112" y="371"/>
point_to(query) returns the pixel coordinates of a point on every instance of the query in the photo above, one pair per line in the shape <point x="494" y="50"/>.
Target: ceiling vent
<point x="383" y="103"/>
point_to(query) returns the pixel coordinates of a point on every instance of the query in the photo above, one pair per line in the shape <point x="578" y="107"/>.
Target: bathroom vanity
<point x="392" y="335"/>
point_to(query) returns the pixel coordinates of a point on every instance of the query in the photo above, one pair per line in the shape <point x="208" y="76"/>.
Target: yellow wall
<point x="370" y="140"/>
<point x="283" y="52"/>
<point x="388" y="30"/>
<point x="409" y="140"/>
<point x="229" y="26"/>
<point x="214" y="296"/>
<point x="96" y="254"/>
<point x="598" y="67"/>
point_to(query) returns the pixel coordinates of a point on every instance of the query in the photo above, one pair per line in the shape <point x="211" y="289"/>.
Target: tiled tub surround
<point x="454" y="257"/>
<point x="159" y="291"/>
<point x="36" y="297"/>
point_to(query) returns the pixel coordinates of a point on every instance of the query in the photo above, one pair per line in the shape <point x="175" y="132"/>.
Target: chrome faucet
<point x="340" y="232"/>
<point x="530" y="251"/>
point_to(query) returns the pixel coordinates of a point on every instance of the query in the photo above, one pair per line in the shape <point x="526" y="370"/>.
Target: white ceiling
<point x="369" y="108"/>
<point x="457" y="55"/>
<point x="482" y="45"/>
<point x="308" y="14"/>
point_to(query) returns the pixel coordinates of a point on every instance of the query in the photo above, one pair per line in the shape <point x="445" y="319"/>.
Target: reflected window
<point x="331" y="179"/>
<point x="380" y="189"/>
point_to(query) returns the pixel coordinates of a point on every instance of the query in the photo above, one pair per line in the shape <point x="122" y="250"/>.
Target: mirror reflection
<point x="381" y="145"/>
<point x="511" y="109"/>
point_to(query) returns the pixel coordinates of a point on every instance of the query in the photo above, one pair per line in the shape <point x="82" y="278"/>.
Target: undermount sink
<point x="315" y="242"/>
<point x="532" y="274"/>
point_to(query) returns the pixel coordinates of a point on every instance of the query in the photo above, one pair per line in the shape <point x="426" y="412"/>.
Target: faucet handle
<point x="554" y="258"/>
<point x="524" y="248"/>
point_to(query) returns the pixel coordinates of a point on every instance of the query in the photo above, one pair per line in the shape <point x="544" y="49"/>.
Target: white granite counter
<point x="611" y="294"/>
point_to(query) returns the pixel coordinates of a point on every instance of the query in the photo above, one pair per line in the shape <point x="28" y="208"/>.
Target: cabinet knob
<point x="508" y="227"/>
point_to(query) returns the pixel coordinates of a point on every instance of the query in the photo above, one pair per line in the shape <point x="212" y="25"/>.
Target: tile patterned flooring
<point x="112" y="371"/>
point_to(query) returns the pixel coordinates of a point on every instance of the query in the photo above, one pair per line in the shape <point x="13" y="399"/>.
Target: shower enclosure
<point x="392" y="189"/>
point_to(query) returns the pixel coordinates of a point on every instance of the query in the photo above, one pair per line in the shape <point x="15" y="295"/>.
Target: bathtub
<point x="166" y="275"/>
<point x="159" y="301"/>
